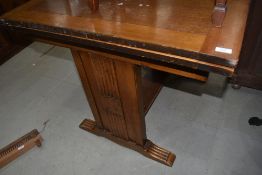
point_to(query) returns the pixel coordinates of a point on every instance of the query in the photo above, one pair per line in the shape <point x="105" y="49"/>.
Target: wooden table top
<point x="168" y="31"/>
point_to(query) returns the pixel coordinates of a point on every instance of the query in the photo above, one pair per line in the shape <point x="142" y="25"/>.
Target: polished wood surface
<point x="218" y="15"/>
<point x="169" y="31"/>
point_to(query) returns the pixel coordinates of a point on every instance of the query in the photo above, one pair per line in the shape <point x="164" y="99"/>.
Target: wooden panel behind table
<point x="8" y="47"/>
<point x="249" y="70"/>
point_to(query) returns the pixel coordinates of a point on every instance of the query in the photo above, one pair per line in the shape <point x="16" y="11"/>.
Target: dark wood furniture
<point x="249" y="70"/>
<point x="111" y="46"/>
<point x="8" y="47"/>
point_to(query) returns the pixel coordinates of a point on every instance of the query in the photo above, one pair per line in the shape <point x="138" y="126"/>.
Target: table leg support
<point x="149" y="149"/>
<point x="114" y="91"/>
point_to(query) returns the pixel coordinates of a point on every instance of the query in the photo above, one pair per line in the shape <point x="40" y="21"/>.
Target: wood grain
<point x="173" y="27"/>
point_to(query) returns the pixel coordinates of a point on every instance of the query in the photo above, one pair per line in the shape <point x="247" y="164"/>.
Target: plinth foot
<point x="149" y="149"/>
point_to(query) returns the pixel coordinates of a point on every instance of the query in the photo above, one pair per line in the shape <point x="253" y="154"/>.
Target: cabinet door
<point x="249" y="71"/>
<point x="7" y="47"/>
<point x="7" y="5"/>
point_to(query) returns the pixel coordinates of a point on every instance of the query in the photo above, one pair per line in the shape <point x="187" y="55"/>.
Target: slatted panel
<point x="105" y="88"/>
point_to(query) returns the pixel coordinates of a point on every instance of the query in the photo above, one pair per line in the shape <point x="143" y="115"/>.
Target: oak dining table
<point x="123" y="49"/>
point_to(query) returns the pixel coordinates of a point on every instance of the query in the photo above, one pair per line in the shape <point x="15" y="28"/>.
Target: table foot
<point x="235" y="86"/>
<point x="159" y="154"/>
<point x="149" y="149"/>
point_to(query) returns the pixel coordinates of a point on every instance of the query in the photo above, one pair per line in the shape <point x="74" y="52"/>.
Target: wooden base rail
<point x="149" y="149"/>
<point x="19" y="147"/>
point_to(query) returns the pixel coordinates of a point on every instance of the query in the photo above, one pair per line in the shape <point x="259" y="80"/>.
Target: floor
<point x="206" y="125"/>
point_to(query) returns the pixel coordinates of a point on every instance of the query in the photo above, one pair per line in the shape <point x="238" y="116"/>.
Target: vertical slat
<point x="86" y="84"/>
<point x="129" y="82"/>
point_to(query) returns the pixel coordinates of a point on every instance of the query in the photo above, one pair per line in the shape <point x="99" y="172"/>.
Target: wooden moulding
<point x="219" y="12"/>
<point x="161" y="55"/>
<point x="149" y="149"/>
<point x="19" y="147"/>
<point x="175" y="69"/>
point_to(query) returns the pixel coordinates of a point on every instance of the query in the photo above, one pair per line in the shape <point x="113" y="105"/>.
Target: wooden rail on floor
<point x="19" y="147"/>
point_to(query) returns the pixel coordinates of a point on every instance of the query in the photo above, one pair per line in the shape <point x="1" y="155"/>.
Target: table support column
<point x="113" y="89"/>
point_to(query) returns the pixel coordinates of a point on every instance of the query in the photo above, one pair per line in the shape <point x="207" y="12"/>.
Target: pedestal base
<point x="149" y="149"/>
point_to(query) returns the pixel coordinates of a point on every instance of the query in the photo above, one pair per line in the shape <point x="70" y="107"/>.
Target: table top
<point x="168" y="31"/>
